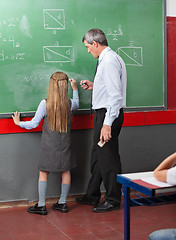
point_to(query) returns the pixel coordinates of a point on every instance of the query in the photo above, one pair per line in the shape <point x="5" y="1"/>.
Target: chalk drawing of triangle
<point x="58" y="54"/>
<point x="54" y="19"/>
<point x="131" y="55"/>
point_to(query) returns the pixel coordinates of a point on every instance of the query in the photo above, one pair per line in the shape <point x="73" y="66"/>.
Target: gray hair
<point x="96" y="35"/>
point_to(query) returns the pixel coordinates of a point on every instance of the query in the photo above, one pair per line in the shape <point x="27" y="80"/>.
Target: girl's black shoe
<point x="38" y="210"/>
<point x="61" y="207"/>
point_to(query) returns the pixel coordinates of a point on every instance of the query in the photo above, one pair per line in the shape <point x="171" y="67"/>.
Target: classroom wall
<point x="141" y="147"/>
<point x="171" y="8"/>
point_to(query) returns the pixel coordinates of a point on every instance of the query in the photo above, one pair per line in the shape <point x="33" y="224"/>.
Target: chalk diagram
<point x="54" y="18"/>
<point x="131" y="55"/>
<point x="58" y="53"/>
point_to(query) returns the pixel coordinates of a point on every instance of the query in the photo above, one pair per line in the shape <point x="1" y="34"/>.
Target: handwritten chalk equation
<point x="11" y="22"/>
<point x="54" y="19"/>
<point x="115" y="33"/>
<point x="14" y="57"/>
<point x="58" y="53"/>
<point x="131" y="55"/>
<point x="9" y="39"/>
<point x="9" y="30"/>
<point x="35" y="78"/>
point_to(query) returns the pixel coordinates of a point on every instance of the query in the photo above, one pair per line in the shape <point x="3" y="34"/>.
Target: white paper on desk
<point x="155" y="182"/>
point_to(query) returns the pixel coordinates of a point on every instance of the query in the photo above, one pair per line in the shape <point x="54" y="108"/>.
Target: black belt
<point x="104" y="109"/>
<point x="100" y="109"/>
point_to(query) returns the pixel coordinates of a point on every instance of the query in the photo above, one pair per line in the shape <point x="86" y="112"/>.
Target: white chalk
<point x="101" y="144"/>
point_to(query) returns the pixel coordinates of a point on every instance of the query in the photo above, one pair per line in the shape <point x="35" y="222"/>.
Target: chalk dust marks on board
<point x="24" y="26"/>
<point x="29" y="84"/>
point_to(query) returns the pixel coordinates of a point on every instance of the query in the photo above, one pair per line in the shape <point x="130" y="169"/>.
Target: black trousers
<point x="105" y="161"/>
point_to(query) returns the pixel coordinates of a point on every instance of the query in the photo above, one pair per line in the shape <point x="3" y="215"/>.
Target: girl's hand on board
<point x="16" y="118"/>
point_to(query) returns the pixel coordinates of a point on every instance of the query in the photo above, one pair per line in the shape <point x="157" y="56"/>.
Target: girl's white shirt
<point x="41" y="112"/>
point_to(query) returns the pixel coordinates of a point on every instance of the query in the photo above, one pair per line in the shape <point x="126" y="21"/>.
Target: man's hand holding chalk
<point x="86" y="84"/>
<point x="100" y="144"/>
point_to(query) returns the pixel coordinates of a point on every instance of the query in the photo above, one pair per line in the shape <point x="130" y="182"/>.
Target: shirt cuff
<point x="21" y="124"/>
<point x="75" y="93"/>
<point x="108" y="120"/>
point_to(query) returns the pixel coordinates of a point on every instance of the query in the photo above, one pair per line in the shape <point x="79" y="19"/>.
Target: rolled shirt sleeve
<point x="171" y="176"/>
<point x="113" y="91"/>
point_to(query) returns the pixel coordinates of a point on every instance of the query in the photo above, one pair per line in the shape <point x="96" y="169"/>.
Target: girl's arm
<point x="39" y="115"/>
<point x="75" y="100"/>
<point x="160" y="173"/>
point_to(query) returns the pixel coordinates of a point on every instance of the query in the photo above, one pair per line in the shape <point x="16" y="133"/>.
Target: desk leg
<point x="126" y="213"/>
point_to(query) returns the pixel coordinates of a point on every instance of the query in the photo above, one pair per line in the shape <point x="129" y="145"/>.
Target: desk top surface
<point x="145" y="183"/>
<point x="138" y="175"/>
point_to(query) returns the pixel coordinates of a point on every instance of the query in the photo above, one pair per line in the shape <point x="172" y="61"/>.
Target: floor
<point x="80" y="223"/>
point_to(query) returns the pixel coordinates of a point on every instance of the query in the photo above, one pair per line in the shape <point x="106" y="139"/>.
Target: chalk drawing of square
<point x="54" y="18"/>
<point x="58" y="53"/>
<point x="131" y="55"/>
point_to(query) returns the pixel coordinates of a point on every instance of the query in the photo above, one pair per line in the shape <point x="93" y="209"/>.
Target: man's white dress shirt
<point x="109" y="89"/>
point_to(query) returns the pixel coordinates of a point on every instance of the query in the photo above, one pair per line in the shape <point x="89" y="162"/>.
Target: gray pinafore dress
<point x="56" y="149"/>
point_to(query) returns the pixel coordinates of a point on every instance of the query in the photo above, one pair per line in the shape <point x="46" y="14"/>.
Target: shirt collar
<point x="107" y="49"/>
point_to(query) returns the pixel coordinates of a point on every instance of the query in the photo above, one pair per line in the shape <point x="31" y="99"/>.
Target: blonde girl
<point x="56" y="149"/>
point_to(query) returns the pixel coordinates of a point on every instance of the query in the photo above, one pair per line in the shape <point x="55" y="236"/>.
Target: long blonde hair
<point x="57" y="103"/>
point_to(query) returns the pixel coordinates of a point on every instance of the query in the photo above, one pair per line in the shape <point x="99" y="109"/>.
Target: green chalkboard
<point x="38" y="38"/>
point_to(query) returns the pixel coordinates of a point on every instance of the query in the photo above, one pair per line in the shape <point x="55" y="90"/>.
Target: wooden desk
<point x="136" y="181"/>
